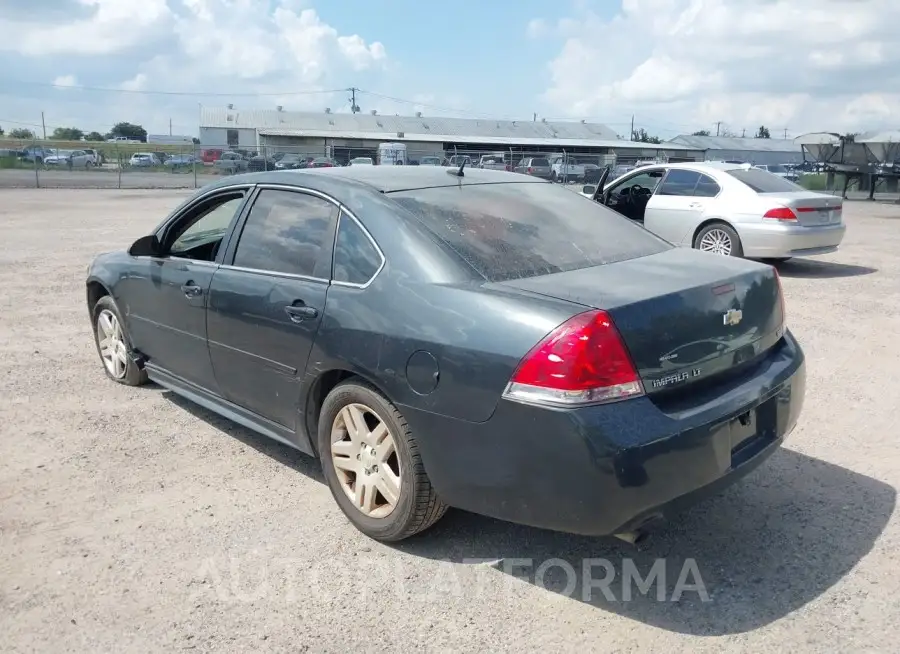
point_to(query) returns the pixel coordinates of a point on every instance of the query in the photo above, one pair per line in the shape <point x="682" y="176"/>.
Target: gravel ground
<point x="131" y="521"/>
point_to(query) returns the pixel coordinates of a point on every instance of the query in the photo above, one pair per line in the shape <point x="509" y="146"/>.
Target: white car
<point x="731" y="209"/>
<point x="144" y="160"/>
<point x="361" y="161"/>
<point x="73" y="158"/>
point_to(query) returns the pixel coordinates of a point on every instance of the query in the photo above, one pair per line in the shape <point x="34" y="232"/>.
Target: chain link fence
<point x="41" y="163"/>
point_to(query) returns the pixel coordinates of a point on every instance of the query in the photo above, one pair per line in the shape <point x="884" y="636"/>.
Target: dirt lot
<point x="131" y="521"/>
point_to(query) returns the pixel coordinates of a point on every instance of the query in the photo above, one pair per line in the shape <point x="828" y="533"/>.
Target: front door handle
<point x="191" y="290"/>
<point x="300" y="312"/>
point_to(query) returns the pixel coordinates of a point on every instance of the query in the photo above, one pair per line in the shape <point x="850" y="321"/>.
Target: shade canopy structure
<point x="884" y="145"/>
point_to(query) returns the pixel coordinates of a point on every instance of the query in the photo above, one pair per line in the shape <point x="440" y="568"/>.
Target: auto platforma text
<point x="256" y="578"/>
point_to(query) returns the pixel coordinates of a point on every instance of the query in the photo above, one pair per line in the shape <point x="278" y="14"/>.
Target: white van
<point x="392" y="154"/>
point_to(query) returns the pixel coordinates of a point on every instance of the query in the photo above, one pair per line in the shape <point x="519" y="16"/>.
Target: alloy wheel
<point x="364" y="455"/>
<point x="111" y="340"/>
<point x="717" y="242"/>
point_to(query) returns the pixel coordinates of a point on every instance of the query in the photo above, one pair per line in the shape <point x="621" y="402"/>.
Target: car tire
<point x="719" y="238"/>
<point x="553" y="177"/>
<point x="415" y="506"/>
<point x="107" y="322"/>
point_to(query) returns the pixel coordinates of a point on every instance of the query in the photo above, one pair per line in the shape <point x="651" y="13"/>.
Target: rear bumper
<point x="775" y="240"/>
<point x="607" y="469"/>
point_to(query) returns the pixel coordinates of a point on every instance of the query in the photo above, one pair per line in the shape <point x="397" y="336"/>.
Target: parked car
<point x="210" y="155"/>
<point x="430" y="161"/>
<point x="95" y="155"/>
<point x="596" y="390"/>
<point x="361" y="161"/>
<point x="457" y="160"/>
<point x="177" y="161"/>
<point x="730" y="209"/>
<point x="144" y="160"/>
<point x="289" y="161"/>
<point x="535" y="166"/>
<point x="260" y="162"/>
<point x="35" y="153"/>
<point x="494" y="161"/>
<point x="321" y="162"/>
<point x="232" y="162"/>
<point x="71" y="158"/>
<point x="566" y="168"/>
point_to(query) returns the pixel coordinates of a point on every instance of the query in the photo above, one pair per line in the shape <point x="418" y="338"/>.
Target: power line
<point x="102" y="89"/>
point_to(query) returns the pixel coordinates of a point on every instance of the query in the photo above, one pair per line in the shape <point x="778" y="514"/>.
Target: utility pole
<point x="44" y="125"/>
<point x="170" y="127"/>
<point x="785" y="133"/>
<point x="354" y="108"/>
<point x="534" y="117"/>
<point x="718" y="124"/>
<point x="743" y="132"/>
<point x="631" y="133"/>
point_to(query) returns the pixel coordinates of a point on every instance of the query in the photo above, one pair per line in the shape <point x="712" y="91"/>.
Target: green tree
<point x="1" y="131"/>
<point x="196" y="141"/>
<point x="763" y="132"/>
<point x="21" y="133"/>
<point x="701" y="132"/>
<point x="128" y="131"/>
<point x="94" y="136"/>
<point x="641" y="136"/>
<point x="67" y="134"/>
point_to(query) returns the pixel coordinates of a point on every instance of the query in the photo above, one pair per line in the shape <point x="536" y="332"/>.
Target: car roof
<point x="386" y="179"/>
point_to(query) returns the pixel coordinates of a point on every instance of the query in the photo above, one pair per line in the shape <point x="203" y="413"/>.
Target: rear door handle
<point x="191" y="290"/>
<point x="301" y="312"/>
<point x="696" y="205"/>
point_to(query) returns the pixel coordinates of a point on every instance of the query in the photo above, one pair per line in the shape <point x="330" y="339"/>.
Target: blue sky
<point x="676" y="65"/>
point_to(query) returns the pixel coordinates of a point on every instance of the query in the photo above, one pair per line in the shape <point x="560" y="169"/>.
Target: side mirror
<point x="588" y="189"/>
<point x="145" y="246"/>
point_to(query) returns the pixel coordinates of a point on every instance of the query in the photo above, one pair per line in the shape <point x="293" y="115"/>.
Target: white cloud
<point x="682" y="65"/>
<point x="65" y="81"/>
<point x="111" y="26"/>
<point x="136" y="83"/>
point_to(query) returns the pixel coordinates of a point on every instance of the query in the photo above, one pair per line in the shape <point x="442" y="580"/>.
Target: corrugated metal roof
<point x="304" y="120"/>
<point x="486" y="140"/>
<point x="736" y="144"/>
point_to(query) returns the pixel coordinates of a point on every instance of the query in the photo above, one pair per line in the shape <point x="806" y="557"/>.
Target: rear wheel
<point x="719" y="238"/>
<point x="371" y="461"/>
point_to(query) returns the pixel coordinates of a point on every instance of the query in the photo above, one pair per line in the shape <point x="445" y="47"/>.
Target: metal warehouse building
<point x="755" y="151"/>
<point x="344" y="136"/>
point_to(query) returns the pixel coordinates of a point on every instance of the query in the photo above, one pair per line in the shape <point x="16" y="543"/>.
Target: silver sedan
<point x="730" y="209"/>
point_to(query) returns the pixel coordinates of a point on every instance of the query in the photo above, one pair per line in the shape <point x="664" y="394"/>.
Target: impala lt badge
<point x="732" y="317"/>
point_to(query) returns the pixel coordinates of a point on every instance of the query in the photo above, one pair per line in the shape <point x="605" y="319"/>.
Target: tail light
<point x="530" y="170"/>
<point x="583" y="361"/>
<point x="781" y="213"/>
<point x="508" y="168"/>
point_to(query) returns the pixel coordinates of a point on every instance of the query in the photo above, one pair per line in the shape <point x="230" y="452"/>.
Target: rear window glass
<point x="540" y="162"/>
<point x="765" y="182"/>
<point x="512" y="231"/>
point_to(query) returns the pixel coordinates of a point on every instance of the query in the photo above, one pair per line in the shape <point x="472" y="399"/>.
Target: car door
<point x="680" y="204"/>
<point x="623" y="197"/>
<point x="165" y="298"/>
<point x="267" y="301"/>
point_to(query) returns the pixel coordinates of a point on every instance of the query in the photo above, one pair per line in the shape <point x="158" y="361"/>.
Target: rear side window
<point x="511" y="231"/>
<point x="287" y="232"/>
<point x="706" y="187"/>
<point x="764" y="182"/>
<point x="679" y="182"/>
<point x="356" y="260"/>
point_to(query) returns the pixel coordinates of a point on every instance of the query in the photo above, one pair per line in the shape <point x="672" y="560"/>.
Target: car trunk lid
<point x="685" y="317"/>
<point x="810" y="209"/>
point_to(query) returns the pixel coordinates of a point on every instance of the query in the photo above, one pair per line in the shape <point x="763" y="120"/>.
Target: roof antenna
<point x="459" y="173"/>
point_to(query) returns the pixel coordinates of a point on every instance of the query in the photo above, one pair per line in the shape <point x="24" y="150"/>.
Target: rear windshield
<point x="765" y="182"/>
<point x="540" y="162"/>
<point x="511" y="231"/>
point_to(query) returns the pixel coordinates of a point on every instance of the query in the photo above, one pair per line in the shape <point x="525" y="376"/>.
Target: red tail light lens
<point x="780" y="213"/>
<point x="583" y="361"/>
<point x="530" y="170"/>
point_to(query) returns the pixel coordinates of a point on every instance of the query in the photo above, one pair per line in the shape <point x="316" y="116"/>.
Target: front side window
<point x="356" y="260"/>
<point x="647" y="180"/>
<point x="287" y="232"/>
<point x="199" y="234"/>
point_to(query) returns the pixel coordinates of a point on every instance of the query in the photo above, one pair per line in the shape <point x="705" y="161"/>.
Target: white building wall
<point x="219" y="137"/>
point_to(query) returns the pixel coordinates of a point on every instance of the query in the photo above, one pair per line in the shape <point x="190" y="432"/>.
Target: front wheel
<point x="719" y="238"/>
<point x="371" y="461"/>
<point x="113" y="345"/>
